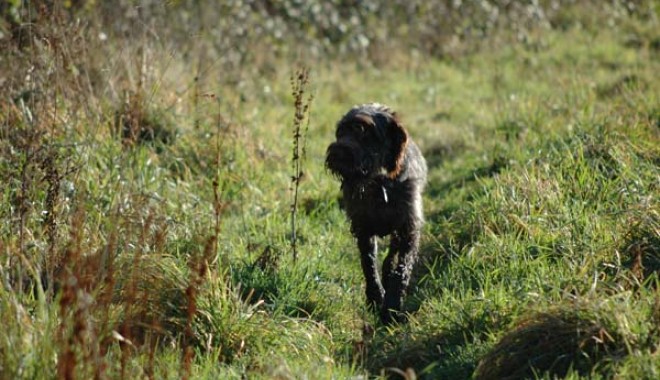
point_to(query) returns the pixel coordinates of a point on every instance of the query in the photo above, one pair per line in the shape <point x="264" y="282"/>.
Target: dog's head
<point x="370" y="141"/>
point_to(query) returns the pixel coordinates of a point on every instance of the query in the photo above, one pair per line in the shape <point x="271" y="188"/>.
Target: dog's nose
<point x="340" y="153"/>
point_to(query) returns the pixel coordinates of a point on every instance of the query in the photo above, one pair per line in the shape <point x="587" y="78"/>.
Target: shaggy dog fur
<point x="382" y="175"/>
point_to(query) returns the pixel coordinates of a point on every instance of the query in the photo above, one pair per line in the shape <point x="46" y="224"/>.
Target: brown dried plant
<point x="302" y="105"/>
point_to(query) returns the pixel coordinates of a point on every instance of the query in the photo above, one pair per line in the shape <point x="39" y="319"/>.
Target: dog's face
<point x="370" y="141"/>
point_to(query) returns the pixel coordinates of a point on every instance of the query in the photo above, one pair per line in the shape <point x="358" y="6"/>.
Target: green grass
<point x="542" y="211"/>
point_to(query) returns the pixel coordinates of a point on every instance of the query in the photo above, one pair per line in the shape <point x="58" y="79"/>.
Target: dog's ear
<point x="398" y="138"/>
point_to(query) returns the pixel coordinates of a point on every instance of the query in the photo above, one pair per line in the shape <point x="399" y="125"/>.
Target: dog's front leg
<point x="368" y="253"/>
<point x="397" y="270"/>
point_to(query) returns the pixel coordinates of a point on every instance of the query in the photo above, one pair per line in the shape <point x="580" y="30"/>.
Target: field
<point x="149" y="157"/>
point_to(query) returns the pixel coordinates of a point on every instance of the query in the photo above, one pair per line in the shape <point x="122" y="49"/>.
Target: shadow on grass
<point x="441" y="152"/>
<point x="451" y="228"/>
<point x="498" y="164"/>
<point x="450" y="354"/>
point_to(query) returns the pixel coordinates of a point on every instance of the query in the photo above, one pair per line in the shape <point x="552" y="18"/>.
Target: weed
<point x="299" y="83"/>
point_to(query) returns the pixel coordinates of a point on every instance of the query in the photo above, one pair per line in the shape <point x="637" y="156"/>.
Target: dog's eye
<point x="342" y="131"/>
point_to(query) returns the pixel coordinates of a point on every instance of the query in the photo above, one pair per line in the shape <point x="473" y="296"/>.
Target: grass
<point x="146" y="211"/>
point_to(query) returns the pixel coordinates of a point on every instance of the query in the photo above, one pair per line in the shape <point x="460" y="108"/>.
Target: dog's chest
<point x="376" y="208"/>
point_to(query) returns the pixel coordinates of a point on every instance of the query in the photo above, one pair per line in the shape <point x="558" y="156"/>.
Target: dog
<point x="383" y="174"/>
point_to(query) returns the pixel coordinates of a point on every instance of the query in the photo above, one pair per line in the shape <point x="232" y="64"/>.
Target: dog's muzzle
<point x="341" y="159"/>
<point x="348" y="160"/>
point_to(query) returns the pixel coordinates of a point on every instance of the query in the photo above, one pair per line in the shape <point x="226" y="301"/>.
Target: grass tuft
<point x="551" y="343"/>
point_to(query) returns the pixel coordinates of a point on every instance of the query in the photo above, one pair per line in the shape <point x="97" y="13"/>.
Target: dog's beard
<point x="352" y="173"/>
<point x="345" y="162"/>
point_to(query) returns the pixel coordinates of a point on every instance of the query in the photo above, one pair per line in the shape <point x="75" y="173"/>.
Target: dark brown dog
<point x="382" y="176"/>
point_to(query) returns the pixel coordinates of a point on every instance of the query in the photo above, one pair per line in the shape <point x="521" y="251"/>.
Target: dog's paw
<point x="391" y="316"/>
<point x="375" y="300"/>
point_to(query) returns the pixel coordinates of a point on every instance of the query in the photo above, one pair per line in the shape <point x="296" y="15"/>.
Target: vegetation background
<point x="146" y="165"/>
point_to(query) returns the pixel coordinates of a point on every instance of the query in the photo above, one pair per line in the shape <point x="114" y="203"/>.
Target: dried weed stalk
<point x="302" y="105"/>
<point x="199" y="265"/>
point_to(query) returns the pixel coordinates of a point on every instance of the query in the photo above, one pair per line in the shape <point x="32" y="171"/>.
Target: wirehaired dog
<point x="382" y="175"/>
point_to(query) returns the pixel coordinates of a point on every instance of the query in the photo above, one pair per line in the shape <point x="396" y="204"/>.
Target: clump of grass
<point x="299" y="83"/>
<point x="136" y="124"/>
<point x="149" y="298"/>
<point x="641" y="246"/>
<point x="550" y="343"/>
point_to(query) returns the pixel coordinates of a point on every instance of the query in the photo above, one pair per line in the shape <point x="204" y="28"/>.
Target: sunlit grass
<point x="542" y="213"/>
